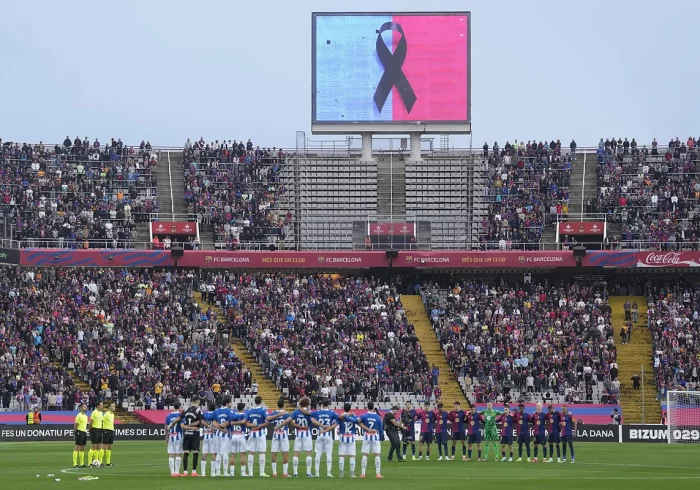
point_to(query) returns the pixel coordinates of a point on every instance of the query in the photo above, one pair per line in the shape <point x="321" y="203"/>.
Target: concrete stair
<point x="630" y="359"/>
<point x="266" y="388"/>
<point x="416" y="315"/>
<point x="549" y="238"/>
<point x="178" y="179"/>
<point x="165" y="203"/>
<point x="122" y="415"/>
<point x="391" y="186"/>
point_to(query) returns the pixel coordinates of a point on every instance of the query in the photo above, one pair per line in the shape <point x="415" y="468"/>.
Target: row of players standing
<point x="224" y="433"/>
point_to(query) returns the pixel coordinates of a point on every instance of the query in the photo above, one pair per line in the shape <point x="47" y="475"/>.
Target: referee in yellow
<point x="80" y="429"/>
<point x="95" y="433"/>
<point x="107" y="434"/>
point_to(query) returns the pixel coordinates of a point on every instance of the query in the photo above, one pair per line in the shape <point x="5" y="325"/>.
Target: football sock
<point x="478" y="451"/>
<point x="440" y="450"/>
<point x="558" y="450"/>
<point x="171" y="464"/>
<point x="224" y="459"/>
<point x="520" y="450"/>
<point x="469" y="452"/>
<point x="75" y="458"/>
<point x="544" y="452"/>
<point x="495" y="448"/>
<point x="251" y="461"/>
<point x="537" y="448"/>
<point x="101" y="456"/>
<point x="527" y="448"/>
<point x="203" y="468"/>
<point x="274" y="467"/>
<point x="420" y="454"/>
<point x="108" y="454"/>
<point x="363" y="464"/>
<point x="285" y="468"/>
<point x="413" y="449"/>
<point x="378" y="464"/>
<point x="503" y="454"/>
<point x="309" y="462"/>
<point x="486" y="451"/>
<point x="329" y="462"/>
<point x="564" y="449"/>
<point x="341" y="465"/>
<point x="317" y="463"/>
<point x="454" y="448"/>
<point x="295" y="464"/>
<point x="82" y="458"/>
<point x="571" y="446"/>
<point x="405" y="446"/>
<point x="195" y="460"/>
<point x="464" y="450"/>
<point x="261" y="463"/>
<point x="551" y="449"/>
<point x="178" y="461"/>
<point x="352" y="465"/>
<point x="90" y="455"/>
<point x="185" y="461"/>
<point x="511" y="454"/>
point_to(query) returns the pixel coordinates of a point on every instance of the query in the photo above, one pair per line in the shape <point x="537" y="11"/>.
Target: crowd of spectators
<point x="527" y="189"/>
<point x="235" y="186"/>
<point x="347" y="337"/>
<point x="515" y="339"/>
<point x="78" y="194"/>
<point x="135" y="336"/>
<point x="674" y="312"/>
<point x="652" y="192"/>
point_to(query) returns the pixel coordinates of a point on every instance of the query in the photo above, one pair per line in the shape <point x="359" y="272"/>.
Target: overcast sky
<point x="168" y="70"/>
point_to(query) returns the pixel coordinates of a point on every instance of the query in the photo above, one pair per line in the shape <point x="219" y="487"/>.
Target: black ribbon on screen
<point x="393" y="74"/>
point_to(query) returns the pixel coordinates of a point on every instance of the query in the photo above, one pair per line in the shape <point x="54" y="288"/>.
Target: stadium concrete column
<point x="367" y="147"/>
<point x="415" y="147"/>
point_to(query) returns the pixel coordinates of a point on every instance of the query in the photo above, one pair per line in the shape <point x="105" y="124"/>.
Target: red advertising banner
<point x="173" y="228"/>
<point x="668" y="259"/>
<point x="284" y="260"/>
<point x="392" y="229"/>
<point x="497" y="259"/>
<point x="582" y="228"/>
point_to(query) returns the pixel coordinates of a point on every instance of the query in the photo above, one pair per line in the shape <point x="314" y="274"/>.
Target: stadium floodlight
<point x="683" y="417"/>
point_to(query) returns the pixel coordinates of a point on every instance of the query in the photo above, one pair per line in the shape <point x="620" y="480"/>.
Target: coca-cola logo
<point x="669" y="258"/>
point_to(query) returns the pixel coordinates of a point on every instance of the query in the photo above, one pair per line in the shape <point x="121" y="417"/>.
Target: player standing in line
<point x="490" y="431"/>
<point x="237" y="427"/>
<point x="301" y="421"/>
<point x="568" y="429"/>
<point x="326" y="420"/>
<point x="80" y="430"/>
<point x="257" y="439"/>
<point x="95" y="433"/>
<point x="458" y="418"/>
<point x="191" y="422"/>
<point x="507" y="422"/>
<point x="371" y="423"/>
<point x="522" y="420"/>
<point x="554" y="428"/>
<point x="427" y="426"/>
<point x="539" y="426"/>
<point x="347" y="442"/>
<point x="442" y="417"/>
<point x="223" y="438"/>
<point x="408" y="418"/>
<point x="210" y="447"/>
<point x="107" y="433"/>
<point x="474" y="431"/>
<point x="280" y="420"/>
<point x="174" y="439"/>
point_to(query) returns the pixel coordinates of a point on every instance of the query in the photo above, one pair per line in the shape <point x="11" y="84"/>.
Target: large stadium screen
<point x="391" y="68"/>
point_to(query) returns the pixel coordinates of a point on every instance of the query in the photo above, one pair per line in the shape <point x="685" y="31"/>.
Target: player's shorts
<point x="540" y="439"/>
<point x="257" y="445"/>
<point x="371" y="447"/>
<point x="210" y="445"/>
<point x="408" y="436"/>
<point x="566" y="439"/>
<point x="523" y="438"/>
<point x="475" y="438"/>
<point x="80" y="438"/>
<point x="191" y="443"/>
<point x="457" y="436"/>
<point x="554" y="438"/>
<point x="175" y="447"/>
<point x="426" y="437"/>
<point x="95" y="436"/>
<point x="303" y="444"/>
<point x="238" y="444"/>
<point x="280" y="445"/>
<point x="441" y="437"/>
<point x="324" y="445"/>
<point x="107" y="436"/>
<point x="506" y="440"/>
<point x="347" y="449"/>
<point x="223" y="445"/>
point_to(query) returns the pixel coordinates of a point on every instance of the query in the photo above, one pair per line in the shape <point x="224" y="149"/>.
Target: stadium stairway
<point x="266" y="388"/>
<point x="122" y="415"/>
<point x="630" y="359"/>
<point x="416" y="315"/>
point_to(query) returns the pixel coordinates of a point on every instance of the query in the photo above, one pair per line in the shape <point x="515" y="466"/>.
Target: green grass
<point x="144" y="465"/>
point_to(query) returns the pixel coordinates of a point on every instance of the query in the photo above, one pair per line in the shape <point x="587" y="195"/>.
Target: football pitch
<point x="144" y="465"/>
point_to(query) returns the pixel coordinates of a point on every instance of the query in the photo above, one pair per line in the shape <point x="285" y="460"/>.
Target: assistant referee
<point x="392" y="428"/>
<point x="80" y="429"/>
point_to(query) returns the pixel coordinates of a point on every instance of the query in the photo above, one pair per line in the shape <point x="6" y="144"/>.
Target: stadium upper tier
<point x="522" y="196"/>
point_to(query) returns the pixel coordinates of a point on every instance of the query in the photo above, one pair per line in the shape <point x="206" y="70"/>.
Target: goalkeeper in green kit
<point x="490" y="431"/>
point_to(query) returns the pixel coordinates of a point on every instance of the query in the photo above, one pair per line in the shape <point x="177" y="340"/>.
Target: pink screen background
<point x="436" y="67"/>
